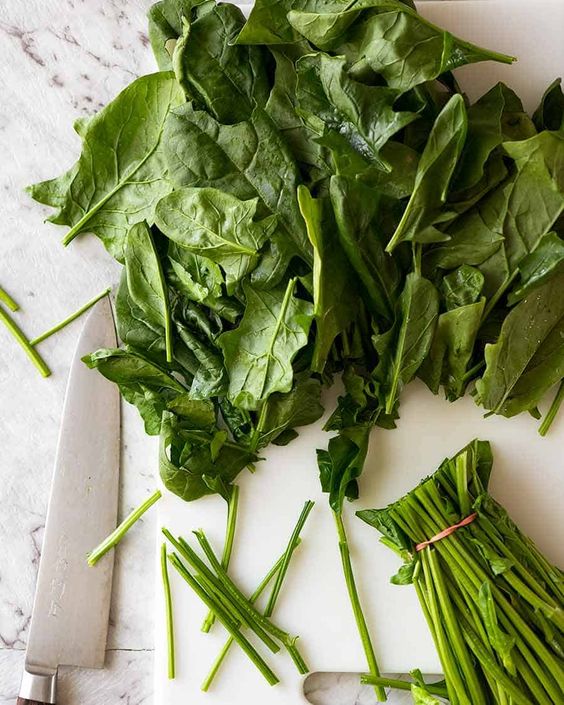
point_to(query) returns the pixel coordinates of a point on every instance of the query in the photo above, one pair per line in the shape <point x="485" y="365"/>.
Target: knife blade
<point x="71" y="609"/>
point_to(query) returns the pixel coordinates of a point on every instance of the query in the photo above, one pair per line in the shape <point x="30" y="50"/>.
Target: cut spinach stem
<point x="252" y="599"/>
<point x="59" y="326"/>
<point x="308" y="506"/>
<point x="27" y="347"/>
<point x="553" y="411"/>
<point x="232" y="507"/>
<point x="116" y="536"/>
<point x="8" y="301"/>
<point x="286" y="639"/>
<point x="356" y="606"/>
<point x="433" y="688"/>
<point x="171" y="667"/>
<point x="215" y="605"/>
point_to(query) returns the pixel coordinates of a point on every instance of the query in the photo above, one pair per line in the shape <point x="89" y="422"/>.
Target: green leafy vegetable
<point x="434" y="173"/>
<point x="259" y="352"/>
<point x="121" y="172"/>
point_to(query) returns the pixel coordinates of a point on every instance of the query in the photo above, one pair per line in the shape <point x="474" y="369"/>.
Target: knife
<point x="69" y="622"/>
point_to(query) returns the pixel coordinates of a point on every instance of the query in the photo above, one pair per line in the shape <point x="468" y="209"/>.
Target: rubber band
<point x="446" y="532"/>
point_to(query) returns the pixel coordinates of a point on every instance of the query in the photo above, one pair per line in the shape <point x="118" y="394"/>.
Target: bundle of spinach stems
<point x="306" y="194"/>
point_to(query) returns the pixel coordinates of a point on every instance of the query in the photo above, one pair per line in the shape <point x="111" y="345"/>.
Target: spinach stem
<point x="214" y="604"/>
<point x="168" y="613"/>
<point x="252" y="599"/>
<point x="553" y="411"/>
<point x="433" y="688"/>
<point x="232" y="506"/>
<point x="239" y="598"/>
<point x="8" y="301"/>
<point x="308" y="506"/>
<point x="71" y="318"/>
<point x="472" y="371"/>
<point x="28" y="348"/>
<point x="116" y="536"/>
<point x="356" y="606"/>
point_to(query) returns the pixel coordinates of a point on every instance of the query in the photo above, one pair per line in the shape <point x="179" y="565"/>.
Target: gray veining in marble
<point x="62" y="59"/>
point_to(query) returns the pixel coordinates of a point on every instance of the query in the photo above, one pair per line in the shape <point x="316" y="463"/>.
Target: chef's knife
<point x="70" y="614"/>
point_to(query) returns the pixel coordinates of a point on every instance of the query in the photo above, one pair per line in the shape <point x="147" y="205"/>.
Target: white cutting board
<point x="528" y="475"/>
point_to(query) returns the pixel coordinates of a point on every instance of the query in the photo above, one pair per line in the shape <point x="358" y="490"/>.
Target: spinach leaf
<point x="535" y="202"/>
<point x="165" y="26"/>
<point x="259" y="352"/>
<point x="134" y="328"/>
<point x="399" y="44"/>
<point x="281" y="107"/>
<point x="434" y="173"/>
<point x="199" y="331"/>
<point x="141" y="382"/>
<point x="356" y="207"/>
<point x="528" y="357"/>
<point x="497" y="117"/>
<point x="451" y="349"/>
<point x="248" y="160"/>
<point x="145" y="280"/>
<point x="226" y="80"/>
<point x="335" y="297"/>
<point x="462" y="287"/>
<point x="121" y="173"/>
<point x="283" y="413"/>
<point x="403" y="347"/>
<point x="536" y="268"/>
<point x="364" y="115"/>
<point x="550" y="113"/>
<point x="215" y="225"/>
<point x="341" y="465"/>
<point x="267" y="23"/>
<point x="190" y="465"/>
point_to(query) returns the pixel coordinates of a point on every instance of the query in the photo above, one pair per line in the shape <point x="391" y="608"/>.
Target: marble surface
<point x="62" y="59"/>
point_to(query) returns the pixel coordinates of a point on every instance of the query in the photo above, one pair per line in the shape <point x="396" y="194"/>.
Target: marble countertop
<point x="63" y="59"/>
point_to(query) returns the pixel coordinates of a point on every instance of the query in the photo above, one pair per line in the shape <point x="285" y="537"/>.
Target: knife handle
<point x="39" y="687"/>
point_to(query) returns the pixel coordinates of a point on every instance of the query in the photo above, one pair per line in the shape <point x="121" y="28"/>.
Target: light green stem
<point x="116" y="536"/>
<point x="71" y="318"/>
<point x="356" y="606"/>
<point x="8" y="301"/>
<point x="308" y="506"/>
<point x="28" y="348"/>
<point x="553" y="411"/>
<point x="232" y="506"/>
<point x="171" y="669"/>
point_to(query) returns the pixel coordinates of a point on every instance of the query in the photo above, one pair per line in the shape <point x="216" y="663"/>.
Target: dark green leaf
<point x="550" y="113"/>
<point x="335" y="297"/>
<point x="435" y="170"/>
<point x="403" y="348"/>
<point x="247" y="160"/>
<point x="462" y="287"/>
<point x="187" y="466"/>
<point x="217" y="226"/>
<point x="165" y="26"/>
<point x="356" y="207"/>
<point x="451" y="349"/>
<point x="226" y="80"/>
<point x="300" y="406"/>
<point x="341" y="465"/>
<point x="528" y="358"/>
<point x="363" y="114"/>
<point x="121" y="173"/>
<point x="146" y="283"/>
<point x="259" y="352"/>
<point x="534" y="269"/>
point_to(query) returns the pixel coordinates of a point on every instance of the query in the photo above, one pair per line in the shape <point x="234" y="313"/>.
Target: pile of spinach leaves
<point x="305" y="194"/>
